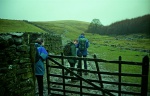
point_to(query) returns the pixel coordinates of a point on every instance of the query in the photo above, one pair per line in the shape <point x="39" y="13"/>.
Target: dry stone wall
<point x="17" y="59"/>
<point x="53" y="42"/>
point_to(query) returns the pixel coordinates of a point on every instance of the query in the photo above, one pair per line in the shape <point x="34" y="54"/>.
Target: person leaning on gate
<point x="41" y="56"/>
<point x="82" y="46"/>
<point x="72" y="62"/>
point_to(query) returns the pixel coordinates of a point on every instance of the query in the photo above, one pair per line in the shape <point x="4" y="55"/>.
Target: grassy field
<point x="110" y="48"/>
<point x="105" y="47"/>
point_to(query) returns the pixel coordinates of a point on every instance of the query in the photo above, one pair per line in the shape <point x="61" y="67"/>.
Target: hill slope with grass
<point x="17" y="26"/>
<point x="71" y="27"/>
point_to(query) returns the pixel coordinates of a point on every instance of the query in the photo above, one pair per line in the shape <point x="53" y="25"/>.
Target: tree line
<point x="124" y="27"/>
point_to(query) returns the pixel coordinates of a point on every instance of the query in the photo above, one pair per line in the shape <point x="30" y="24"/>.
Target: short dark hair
<point x="39" y="40"/>
<point x="82" y="33"/>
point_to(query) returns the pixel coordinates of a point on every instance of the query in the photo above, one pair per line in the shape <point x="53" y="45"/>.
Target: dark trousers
<point x="85" y="63"/>
<point x="40" y="84"/>
<point x="71" y="66"/>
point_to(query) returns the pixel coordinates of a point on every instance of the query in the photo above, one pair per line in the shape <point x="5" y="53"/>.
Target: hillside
<point x="71" y="29"/>
<point x="68" y="27"/>
<point x="17" y="26"/>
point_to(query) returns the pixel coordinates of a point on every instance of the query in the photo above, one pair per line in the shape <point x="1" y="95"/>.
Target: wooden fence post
<point x="119" y="77"/>
<point x="63" y="73"/>
<point x="48" y="77"/>
<point x="144" y="81"/>
<point x="79" y="72"/>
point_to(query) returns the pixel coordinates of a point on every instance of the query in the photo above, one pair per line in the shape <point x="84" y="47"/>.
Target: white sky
<point x="107" y="11"/>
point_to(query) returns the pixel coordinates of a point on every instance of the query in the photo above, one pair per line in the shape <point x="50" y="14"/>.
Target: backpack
<point x="67" y="49"/>
<point x="82" y="43"/>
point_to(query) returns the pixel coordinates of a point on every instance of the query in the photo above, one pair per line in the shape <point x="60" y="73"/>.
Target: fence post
<point x="63" y="73"/>
<point x="47" y="73"/>
<point x="80" y="73"/>
<point x="119" y="78"/>
<point x="144" y="81"/>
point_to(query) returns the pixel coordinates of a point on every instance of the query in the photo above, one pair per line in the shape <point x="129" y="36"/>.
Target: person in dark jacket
<point x="39" y="64"/>
<point x="72" y="62"/>
<point x="82" y="53"/>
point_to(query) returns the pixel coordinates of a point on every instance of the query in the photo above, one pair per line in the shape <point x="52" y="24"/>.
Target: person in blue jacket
<point x="39" y="63"/>
<point x="83" y="52"/>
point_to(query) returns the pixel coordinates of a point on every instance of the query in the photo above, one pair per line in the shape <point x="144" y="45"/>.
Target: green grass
<point x="17" y="26"/>
<point x="68" y="27"/>
<point x="101" y="46"/>
<point x="112" y="54"/>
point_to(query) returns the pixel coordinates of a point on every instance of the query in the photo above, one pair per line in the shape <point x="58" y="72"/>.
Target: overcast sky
<point x="107" y="11"/>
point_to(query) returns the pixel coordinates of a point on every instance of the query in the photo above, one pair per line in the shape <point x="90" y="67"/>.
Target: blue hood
<point x="37" y="45"/>
<point x="81" y="36"/>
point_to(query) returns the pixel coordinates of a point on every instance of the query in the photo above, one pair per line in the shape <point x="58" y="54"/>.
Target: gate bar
<point x="99" y="75"/>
